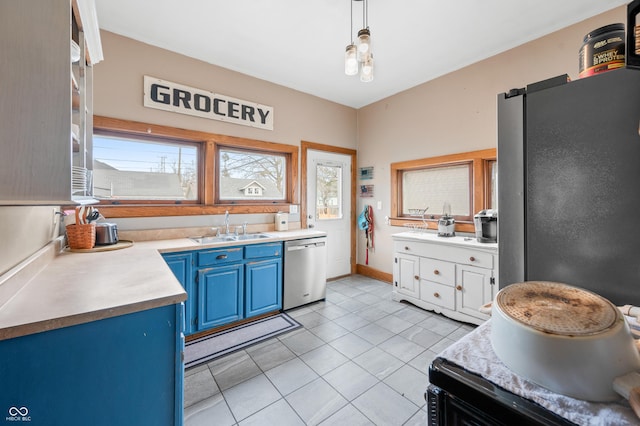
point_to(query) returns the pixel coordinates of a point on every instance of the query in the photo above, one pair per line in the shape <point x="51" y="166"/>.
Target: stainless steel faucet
<point x="226" y="221"/>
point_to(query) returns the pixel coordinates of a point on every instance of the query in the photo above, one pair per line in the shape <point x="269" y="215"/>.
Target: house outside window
<point x="246" y="174"/>
<point x="127" y="169"/>
<point x="143" y="170"/>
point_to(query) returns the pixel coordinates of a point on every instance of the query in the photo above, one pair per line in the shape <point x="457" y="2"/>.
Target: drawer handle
<point x="416" y="277"/>
<point x="406" y="248"/>
<point x="459" y="288"/>
<point x="221" y="257"/>
<point x="436" y="272"/>
<point x="436" y="294"/>
<point x="472" y="259"/>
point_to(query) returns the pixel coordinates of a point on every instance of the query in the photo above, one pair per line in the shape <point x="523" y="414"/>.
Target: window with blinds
<point x="467" y="182"/>
<point x="430" y="188"/>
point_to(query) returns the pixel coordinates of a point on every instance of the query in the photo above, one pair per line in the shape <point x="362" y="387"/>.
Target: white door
<point x="329" y="206"/>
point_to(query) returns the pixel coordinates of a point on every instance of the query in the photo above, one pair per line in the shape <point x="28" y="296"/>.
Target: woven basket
<point x="81" y="236"/>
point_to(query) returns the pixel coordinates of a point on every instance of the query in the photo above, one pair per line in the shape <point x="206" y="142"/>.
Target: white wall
<point x="23" y="231"/>
<point x="454" y="113"/>
<point x="118" y="93"/>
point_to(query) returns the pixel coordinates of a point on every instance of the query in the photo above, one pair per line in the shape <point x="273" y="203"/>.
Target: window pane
<point x="250" y="175"/>
<point x="493" y="192"/>
<point x="328" y="192"/>
<point x="128" y="169"/>
<point x="432" y="187"/>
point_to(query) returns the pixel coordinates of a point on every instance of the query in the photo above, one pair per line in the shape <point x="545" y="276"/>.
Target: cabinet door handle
<point x="406" y="248"/>
<point x="459" y="288"/>
<point x="416" y="277"/>
<point x="221" y="257"/>
<point x="472" y="259"/>
<point x="436" y="294"/>
<point x="436" y="272"/>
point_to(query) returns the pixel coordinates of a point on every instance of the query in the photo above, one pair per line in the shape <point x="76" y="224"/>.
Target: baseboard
<point x="370" y="272"/>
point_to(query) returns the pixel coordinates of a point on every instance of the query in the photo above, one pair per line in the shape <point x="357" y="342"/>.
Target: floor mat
<point x="216" y="345"/>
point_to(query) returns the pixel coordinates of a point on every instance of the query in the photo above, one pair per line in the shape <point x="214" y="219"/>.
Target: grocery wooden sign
<point x="174" y="97"/>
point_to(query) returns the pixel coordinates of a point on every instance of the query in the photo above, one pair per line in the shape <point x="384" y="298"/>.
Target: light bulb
<point x="350" y="60"/>
<point x="366" y="70"/>
<point x="364" y="43"/>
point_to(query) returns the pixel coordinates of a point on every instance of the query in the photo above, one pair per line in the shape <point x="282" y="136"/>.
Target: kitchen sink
<point x="227" y="238"/>
<point x="250" y="237"/>
<point x="211" y="240"/>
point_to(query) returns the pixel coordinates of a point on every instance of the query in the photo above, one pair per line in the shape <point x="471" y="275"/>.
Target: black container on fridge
<point x="632" y="56"/>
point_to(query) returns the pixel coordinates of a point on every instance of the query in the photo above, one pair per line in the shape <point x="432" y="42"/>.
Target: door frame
<point x="305" y="146"/>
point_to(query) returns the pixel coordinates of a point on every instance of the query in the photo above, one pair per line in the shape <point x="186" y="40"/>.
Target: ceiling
<point x="300" y="43"/>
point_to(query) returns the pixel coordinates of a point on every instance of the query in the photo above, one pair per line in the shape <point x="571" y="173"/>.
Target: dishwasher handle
<point x="305" y="246"/>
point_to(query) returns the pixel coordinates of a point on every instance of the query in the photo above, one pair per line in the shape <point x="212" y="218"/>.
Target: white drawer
<point x="461" y="255"/>
<point x="438" y="271"/>
<point x="473" y="257"/>
<point x="438" y="294"/>
<point x="409" y="247"/>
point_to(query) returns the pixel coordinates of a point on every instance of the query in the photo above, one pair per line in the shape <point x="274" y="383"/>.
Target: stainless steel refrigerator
<point x="569" y="184"/>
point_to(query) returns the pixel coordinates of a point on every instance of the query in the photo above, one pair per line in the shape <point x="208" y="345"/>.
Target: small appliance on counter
<point x="446" y="223"/>
<point x="282" y="221"/>
<point x="486" y="224"/>
<point x="106" y="233"/>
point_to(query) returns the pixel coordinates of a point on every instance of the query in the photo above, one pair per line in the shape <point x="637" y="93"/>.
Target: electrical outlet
<point x="293" y="208"/>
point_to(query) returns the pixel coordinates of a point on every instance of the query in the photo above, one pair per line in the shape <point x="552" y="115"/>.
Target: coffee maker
<point x="486" y="224"/>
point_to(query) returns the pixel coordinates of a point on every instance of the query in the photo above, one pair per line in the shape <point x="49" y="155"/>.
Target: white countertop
<point x="75" y="288"/>
<point x="461" y="241"/>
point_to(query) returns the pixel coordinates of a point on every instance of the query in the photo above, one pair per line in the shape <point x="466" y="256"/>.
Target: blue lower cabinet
<point x="227" y="284"/>
<point x="220" y="295"/>
<point x="181" y="264"/>
<point x="263" y="287"/>
<point x="124" y="370"/>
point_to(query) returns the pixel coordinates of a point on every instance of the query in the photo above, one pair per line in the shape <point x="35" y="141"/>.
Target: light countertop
<point x="458" y="240"/>
<point x="74" y="288"/>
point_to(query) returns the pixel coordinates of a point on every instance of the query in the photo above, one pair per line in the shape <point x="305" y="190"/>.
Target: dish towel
<point x="475" y="354"/>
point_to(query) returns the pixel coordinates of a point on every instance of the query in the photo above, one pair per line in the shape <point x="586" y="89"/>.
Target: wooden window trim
<point x="146" y="137"/>
<point x="479" y="161"/>
<point x="253" y="148"/>
<point x="487" y="180"/>
<point x="209" y="143"/>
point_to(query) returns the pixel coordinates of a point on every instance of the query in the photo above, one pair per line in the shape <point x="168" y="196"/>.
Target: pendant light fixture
<point x="359" y="57"/>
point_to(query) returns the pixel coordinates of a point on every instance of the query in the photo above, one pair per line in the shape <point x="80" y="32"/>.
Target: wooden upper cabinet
<point x="36" y="109"/>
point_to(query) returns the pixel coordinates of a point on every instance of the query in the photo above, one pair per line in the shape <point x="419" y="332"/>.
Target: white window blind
<point x="432" y="187"/>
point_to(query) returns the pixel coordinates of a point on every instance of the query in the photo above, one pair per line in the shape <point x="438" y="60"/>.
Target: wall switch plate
<point x="379" y="205"/>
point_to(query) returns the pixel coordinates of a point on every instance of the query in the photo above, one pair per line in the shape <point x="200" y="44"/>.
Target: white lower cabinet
<point x="453" y="276"/>
<point x="406" y="271"/>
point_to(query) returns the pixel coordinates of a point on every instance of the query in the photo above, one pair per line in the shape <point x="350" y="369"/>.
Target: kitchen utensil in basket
<point x="81" y="235"/>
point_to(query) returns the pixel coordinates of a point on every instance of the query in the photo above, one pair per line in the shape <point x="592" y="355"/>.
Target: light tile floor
<point x="360" y="359"/>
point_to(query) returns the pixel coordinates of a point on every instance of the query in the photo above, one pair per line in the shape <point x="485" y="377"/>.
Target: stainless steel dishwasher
<point x="305" y="271"/>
